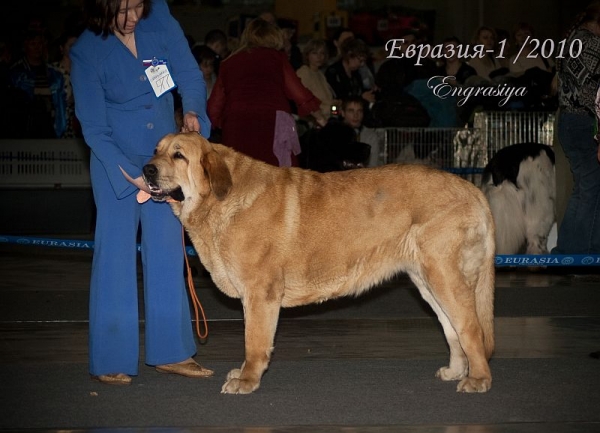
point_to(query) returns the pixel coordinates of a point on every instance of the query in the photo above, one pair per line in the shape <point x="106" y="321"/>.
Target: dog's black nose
<point x="150" y="170"/>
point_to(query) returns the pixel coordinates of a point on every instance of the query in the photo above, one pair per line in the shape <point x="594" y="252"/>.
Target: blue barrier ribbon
<point x="501" y="259"/>
<point x="463" y="170"/>
<point x="64" y="243"/>
<point x="548" y="260"/>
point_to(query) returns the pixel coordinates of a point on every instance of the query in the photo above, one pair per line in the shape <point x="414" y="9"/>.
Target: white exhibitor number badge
<point x="159" y="76"/>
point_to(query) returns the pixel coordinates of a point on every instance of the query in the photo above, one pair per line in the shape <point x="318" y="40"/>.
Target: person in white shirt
<point x="352" y="112"/>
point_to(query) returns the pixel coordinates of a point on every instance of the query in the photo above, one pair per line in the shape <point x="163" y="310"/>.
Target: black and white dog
<point x="519" y="183"/>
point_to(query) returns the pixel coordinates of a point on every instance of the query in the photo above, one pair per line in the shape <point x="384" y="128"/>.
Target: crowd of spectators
<point x="35" y="84"/>
<point x="395" y="92"/>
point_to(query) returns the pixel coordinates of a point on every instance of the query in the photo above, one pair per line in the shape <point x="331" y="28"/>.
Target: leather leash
<point x="198" y="309"/>
<point x="142" y="197"/>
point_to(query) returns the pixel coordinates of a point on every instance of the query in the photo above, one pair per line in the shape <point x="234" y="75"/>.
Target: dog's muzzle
<point x="150" y="174"/>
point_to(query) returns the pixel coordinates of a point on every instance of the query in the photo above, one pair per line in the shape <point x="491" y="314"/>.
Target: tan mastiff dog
<point x="282" y="237"/>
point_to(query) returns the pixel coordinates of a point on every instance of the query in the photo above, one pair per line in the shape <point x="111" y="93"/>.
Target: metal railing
<point x="464" y="151"/>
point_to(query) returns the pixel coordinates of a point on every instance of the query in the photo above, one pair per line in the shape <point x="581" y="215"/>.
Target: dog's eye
<point x="178" y="155"/>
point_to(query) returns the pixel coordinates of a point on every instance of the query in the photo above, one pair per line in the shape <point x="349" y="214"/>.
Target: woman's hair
<point x="101" y="15"/>
<point x="475" y="39"/>
<point x="589" y="14"/>
<point x="353" y="47"/>
<point x="314" y="45"/>
<point x="261" y="33"/>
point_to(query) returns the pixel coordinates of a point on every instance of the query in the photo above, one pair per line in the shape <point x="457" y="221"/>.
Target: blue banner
<point x="63" y="243"/>
<point x="501" y="260"/>
<point x="548" y="260"/>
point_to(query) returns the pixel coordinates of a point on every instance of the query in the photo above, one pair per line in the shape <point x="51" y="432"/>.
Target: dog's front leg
<point x="260" y="317"/>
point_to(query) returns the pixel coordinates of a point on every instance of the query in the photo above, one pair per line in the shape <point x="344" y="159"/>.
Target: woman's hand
<point x="190" y="122"/>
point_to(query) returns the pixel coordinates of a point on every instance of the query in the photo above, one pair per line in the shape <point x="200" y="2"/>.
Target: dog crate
<point x="504" y="128"/>
<point x="457" y="150"/>
<point x="465" y="151"/>
<point x="45" y="187"/>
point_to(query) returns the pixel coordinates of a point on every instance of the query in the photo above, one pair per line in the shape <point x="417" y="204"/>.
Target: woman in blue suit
<point x="123" y="68"/>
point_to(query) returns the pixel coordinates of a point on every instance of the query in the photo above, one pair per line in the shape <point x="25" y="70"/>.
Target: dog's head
<point x="186" y="165"/>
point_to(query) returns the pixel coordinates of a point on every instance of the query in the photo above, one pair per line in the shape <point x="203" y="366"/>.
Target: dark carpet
<point x="324" y="392"/>
<point x="397" y="300"/>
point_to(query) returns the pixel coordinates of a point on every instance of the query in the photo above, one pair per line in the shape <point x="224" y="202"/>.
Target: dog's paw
<point x="471" y="384"/>
<point x="234" y="374"/>
<point x="446" y="374"/>
<point x="238" y="386"/>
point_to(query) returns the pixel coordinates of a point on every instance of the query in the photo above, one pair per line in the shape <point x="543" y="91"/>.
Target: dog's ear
<point x="218" y="174"/>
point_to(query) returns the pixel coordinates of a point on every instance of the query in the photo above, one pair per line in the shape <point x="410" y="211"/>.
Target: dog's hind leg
<point x="454" y="302"/>
<point x="459" y="366"/>
<point x="260" y="317"/>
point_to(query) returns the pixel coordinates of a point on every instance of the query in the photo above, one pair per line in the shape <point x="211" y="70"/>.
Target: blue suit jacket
<point x="120" y="115"/>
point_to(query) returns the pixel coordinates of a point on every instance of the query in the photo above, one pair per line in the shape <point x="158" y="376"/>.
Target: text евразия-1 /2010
<point x="546" y="49"/>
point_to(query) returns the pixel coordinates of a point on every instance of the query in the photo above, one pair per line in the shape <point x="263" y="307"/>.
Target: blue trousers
<point x="114" y="322"/>
<point x="579" y="232"/>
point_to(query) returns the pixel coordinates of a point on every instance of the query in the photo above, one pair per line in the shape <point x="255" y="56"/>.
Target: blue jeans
<point x="579" y="232"/>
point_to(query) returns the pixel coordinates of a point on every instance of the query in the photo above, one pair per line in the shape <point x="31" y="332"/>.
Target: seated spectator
<point x="43" y="86"/>
<point x="453" y="65"/>
<point x="352" y="112"/>
<point x="335" y="54"/>
<point x="63" y="65"/>
<point x="489" y="68"/>
<point x="314" y="55"/>
<point x="343" y="75"/>
<point x="217" y="41"/>
<point x="334" y="45"/>
<point x="206" y="59"/>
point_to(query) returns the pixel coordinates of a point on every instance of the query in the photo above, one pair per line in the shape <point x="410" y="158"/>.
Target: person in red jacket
<point x="250" y="101"/>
